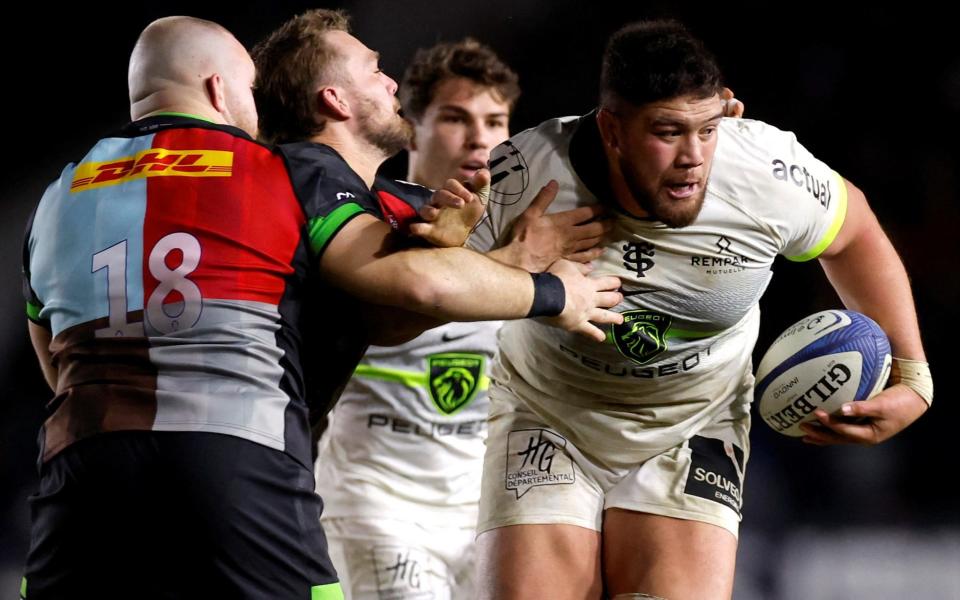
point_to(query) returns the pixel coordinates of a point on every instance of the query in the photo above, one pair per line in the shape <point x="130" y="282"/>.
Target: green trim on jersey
<point x="687" y="334"/>
<point x="411" y="379"/>
<point x="682" y="334"/>
<point x="33" y="311"/>
<point x="330" y="591"/>
<point x="180" y="114"/>
<point x="23" y="588"/>
<point x="322" y="229"/>
<point x="832" y="231"/>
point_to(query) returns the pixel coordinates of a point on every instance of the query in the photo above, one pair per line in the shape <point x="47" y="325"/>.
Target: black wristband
<point x="549" y="295"/>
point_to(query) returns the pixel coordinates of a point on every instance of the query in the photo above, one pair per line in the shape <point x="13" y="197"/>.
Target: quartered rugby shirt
<point x="170" y="265"/>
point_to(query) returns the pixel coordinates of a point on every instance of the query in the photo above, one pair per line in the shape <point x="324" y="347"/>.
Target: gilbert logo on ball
<point x="822" y="361"/>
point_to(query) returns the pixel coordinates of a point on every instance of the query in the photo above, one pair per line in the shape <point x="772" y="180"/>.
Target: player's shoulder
<point x="753" y="151"/>
<point x="533" y="156"/>
<point x="547" y="136"/>
<point x="318" y="172"/>
<point x="752" y="138"/>
<point x="761" y="166"/>
<point x="317" y="159"/>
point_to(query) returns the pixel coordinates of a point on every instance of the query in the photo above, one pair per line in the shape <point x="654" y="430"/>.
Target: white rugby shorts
<point x="380" y="558"/>
<point x="534" y="475"/>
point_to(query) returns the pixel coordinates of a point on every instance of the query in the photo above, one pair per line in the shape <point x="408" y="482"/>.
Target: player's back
<point x="163" y="264"/>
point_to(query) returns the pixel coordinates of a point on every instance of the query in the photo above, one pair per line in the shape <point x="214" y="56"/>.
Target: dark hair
<point x="467" y="58"/>
<point x="655" y="60"/>
<point x="291" y="62"/>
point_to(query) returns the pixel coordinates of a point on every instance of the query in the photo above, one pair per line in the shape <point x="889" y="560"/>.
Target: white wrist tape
<point x="914" y="374"/>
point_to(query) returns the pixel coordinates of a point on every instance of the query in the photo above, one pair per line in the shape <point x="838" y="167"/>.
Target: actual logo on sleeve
<point x="642" y="335"/>
<point x="799" y="176"/>
<point x="454" y="379"/>
<point x="716" y="472"/>
<point x="536" y="457"/>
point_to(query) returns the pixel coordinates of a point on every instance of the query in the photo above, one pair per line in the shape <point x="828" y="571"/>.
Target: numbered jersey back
<point x="163" y="264"/>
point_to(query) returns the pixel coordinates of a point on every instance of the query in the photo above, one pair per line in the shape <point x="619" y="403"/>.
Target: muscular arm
<point x="865" y="270"/>
<point x="457" y="284"/>
<point x="867" y="273"/>
<point x="40" y="338"/>
<point x="446" y="283"/>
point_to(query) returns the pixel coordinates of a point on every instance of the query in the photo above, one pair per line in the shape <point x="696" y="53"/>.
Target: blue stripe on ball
<point x="862" y="335"/>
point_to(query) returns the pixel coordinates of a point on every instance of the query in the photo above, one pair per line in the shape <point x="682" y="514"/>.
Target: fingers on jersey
<point x="543" y="199"/>
<point x="447" y="198"/>
<point x="586" y="236"/>
<point x="458" y="210"/>
<point x="586" y="300"/>
<point x="580" y="215"/>
<point x="576" y="229"/>
<point x="538" y="239"/>
<point x="585" y="256"/>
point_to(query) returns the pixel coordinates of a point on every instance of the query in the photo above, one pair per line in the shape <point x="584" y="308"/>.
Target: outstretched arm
<point x="460" y="284"/>
<point x="865" y="270"/>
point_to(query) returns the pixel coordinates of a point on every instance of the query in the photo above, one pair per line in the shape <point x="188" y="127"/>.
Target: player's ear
<point x="216" y="94"/>
<point x="332" y="101"/>
<point x="609" y="126"/>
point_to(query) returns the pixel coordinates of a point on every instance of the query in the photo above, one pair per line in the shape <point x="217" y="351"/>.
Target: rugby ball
<point x="823" y="361"/>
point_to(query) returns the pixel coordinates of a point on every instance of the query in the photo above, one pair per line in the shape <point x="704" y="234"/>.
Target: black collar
<point x="156" y="123"/>
<point x="589" y="161"/>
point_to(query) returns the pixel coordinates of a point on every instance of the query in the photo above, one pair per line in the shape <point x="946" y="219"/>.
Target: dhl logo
<point x="155" y="162"/>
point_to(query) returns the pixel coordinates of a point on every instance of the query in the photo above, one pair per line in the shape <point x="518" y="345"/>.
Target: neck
<point x="364" y="158"/>
<point x="414" y="173"/>
<point x="165" y="101"/>
<point x="618" y="183"/>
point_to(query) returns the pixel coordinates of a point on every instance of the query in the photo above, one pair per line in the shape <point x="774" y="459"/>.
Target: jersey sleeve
<point x="330" y="194"/>
<point x="782" y="184"/>
<point x="400" y="201"/>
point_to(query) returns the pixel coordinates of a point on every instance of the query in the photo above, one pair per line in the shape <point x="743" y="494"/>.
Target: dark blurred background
<point x="874" y="92"/>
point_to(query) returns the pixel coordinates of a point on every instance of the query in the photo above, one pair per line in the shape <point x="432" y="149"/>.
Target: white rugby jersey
<point x="406" y="437"/>
<point x="691" y="294"/>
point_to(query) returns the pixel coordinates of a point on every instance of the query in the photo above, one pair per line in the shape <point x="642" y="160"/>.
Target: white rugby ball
<point x="823" y="361"/>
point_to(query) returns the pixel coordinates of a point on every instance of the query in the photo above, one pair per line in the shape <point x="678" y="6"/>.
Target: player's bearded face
<point x="657" y="197"/>
<point x="665" y="156"/>
<point x="383" y="127"/>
